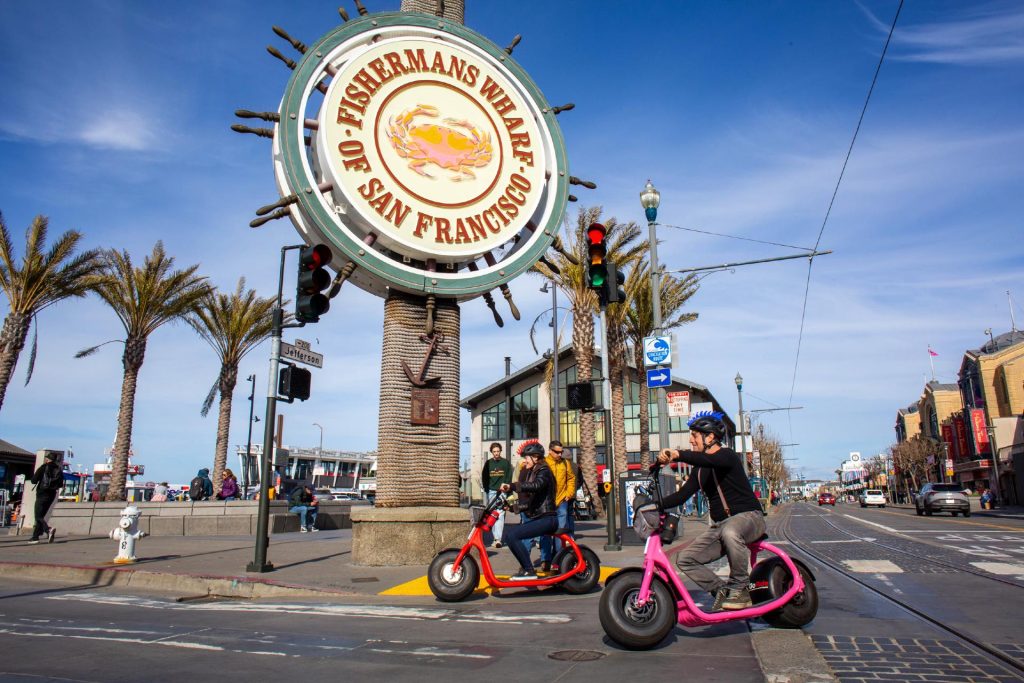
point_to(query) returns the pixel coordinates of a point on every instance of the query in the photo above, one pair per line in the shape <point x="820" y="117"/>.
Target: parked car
<point x="872" y="497"/>
<point x="826" y="499"/>
<point x="935" y="497"/>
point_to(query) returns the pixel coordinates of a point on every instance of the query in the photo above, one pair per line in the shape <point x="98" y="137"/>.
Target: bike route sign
<point x="657" y="351"/>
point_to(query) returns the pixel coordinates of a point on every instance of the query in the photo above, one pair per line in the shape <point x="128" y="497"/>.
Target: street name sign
<point x="302" y="355"/>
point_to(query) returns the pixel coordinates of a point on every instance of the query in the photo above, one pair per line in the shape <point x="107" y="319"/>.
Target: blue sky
<point x="115" y="122"/>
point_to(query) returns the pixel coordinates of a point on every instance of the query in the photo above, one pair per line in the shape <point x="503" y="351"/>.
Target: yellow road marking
<point x="420" y="586"/>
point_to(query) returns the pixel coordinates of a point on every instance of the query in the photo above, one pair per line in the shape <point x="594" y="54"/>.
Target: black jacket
<point x="48" y="477"/>
<point x="719" y="475"/>
<point x="539" y="486"/>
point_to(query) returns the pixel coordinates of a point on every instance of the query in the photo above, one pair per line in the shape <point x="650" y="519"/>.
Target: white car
<point x="872" y="497"/>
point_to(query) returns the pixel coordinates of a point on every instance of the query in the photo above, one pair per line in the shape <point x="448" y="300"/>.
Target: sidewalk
<point x="1003" y="511"/>
<point x="305" y="564"/>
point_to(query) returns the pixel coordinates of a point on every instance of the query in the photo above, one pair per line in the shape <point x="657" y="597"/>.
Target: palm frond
<point x="32" y="352"/>
<point x="208" y="401"/>
<point x="93" y="349"/>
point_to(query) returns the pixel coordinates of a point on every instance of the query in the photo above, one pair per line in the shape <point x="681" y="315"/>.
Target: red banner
<point x="947" y="436"/>
<point x="960" y="427"/>
<point x="980" y="432"/>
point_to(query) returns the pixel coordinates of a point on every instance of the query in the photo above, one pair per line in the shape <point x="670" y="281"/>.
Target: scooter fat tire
<point x="449" y="587"/>
<point x="802" y="608"/>
<point x="632" y="627"/>
<point x="585" y="581"/>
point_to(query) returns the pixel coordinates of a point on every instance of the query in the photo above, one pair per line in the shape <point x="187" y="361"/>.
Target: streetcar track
<point x="948" y="565"/>
<point x="1015" y="665"/>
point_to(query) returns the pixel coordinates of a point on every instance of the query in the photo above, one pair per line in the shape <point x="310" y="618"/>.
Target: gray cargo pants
<point x="730" y="538"/>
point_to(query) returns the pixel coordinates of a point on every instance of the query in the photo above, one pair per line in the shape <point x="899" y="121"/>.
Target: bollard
<point x="126" y="533"/>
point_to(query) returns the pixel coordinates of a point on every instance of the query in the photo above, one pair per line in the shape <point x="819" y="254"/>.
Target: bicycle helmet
<point x="532" y="447"/>
<point x="707" y="422"/>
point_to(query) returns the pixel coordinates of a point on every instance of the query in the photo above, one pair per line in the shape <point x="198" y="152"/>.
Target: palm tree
<point x="143" y="299"/>
<point x="43" y="278"/>
<point x="233" y="324"/>
<point x="639" y="323"/>
<point x="570" y="260"/>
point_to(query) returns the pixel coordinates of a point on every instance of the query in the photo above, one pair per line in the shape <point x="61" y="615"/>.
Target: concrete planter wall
<point x="205" y="518"/>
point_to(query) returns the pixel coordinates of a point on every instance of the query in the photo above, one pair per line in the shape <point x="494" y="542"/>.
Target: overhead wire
<point x="734" y="237"/>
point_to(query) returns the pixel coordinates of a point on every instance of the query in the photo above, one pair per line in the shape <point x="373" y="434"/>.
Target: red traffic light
<point x="596" y="233"/>
<point x="316" y="256"/>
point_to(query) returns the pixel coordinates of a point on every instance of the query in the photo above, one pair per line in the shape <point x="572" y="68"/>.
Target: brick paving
<point x="857" y="659"/>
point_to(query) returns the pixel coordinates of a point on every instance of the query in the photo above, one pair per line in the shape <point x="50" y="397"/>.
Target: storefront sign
<point x="980" y="432"/>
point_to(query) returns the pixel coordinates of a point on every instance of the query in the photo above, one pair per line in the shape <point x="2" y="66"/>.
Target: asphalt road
<point x="967" y="574"/>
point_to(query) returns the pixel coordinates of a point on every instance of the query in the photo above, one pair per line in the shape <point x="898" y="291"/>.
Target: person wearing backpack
<point x="49" y="480"/>
<point x="201" y="487"/>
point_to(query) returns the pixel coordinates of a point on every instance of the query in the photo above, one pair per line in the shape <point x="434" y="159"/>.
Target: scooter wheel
<point x="585" y="581"/>
<point x="633" y="626"/>
<point x="452" y="586"/>
<point x="802" y="608"/>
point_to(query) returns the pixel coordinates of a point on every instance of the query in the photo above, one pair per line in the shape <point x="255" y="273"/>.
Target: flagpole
<point x="931" y="362"/>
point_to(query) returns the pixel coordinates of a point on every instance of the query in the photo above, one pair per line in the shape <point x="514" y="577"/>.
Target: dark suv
<point x="942" y="498"/>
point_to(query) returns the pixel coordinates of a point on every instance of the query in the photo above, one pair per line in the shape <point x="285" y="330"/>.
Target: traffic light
<point x="615" y="287"/>
<point x="294" y="382"/>
<point x="310" y="304"/>
<point x="597" y="272"/>
<point x="580" y="395"/>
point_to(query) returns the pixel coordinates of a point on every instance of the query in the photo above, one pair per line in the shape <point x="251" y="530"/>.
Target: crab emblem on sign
<point x="457" y="147"/>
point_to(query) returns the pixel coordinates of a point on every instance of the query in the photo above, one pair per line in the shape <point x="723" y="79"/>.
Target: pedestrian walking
<point x="565" y="494"/>
<point x="496" y="471"/>
<point x="49" y="480"/>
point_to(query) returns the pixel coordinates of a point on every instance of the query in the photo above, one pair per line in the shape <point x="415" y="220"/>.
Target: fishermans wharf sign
<point x="422" y="154"/>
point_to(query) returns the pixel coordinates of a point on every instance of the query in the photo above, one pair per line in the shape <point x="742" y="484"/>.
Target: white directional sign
<point x="657" y="351"/>
<point x="302" y="355"/>
<point x="658" y="378"/>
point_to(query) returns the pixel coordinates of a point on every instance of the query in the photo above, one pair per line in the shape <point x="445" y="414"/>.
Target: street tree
<point x="233" y="325"/>
<point x="910" y="459"/>
<point x="638" y="322"/>
<point x="773" y="465"/>
<point x="43" y="277"/>
<point x="143" y="299"/>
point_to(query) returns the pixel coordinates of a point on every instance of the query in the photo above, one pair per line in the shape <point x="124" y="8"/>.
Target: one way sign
<point x="658" y="378"/>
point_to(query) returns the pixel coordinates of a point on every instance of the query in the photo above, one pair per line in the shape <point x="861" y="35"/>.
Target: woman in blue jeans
<point x="539" y="485"/>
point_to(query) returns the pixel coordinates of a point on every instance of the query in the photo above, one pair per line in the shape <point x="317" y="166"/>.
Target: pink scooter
<point x="641" y="605"/>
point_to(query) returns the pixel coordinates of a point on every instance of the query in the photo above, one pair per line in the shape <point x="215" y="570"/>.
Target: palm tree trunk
<point x="12" y="341"/>
<point x="616" y="358"/>
<point x="134" y="355"/>
<point x="583" y="350"/>
<point x="644" y="397"/>
<point x="418" y="465"/>
<point x="228" y="379"/>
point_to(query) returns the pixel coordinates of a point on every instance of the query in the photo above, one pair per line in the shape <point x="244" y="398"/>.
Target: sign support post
<point x="609" y="450"/>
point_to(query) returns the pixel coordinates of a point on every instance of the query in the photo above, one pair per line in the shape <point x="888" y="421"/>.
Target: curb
<point x="189" y="584"/>
<point x="789" y="656"/>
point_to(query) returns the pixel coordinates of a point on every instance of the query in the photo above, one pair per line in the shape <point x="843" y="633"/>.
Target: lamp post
<point x="248" y="444"/>
<point x="554" y="359"/>
<point x="743" y="438"/>
<point x="995" y="463"/>
<point x="650" y="199"/>
<point x="320" y="450"/>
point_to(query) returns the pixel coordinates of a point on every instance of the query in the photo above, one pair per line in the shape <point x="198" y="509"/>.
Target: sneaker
<point x="524" y="575"/>
<point x="538" y="563"/>
<point x="34" y="541"/>
<point x="719" y="599"/>
<point x="303" y="529"/>
<point x="545" y="567"/>
<point x="554" y="569"/>
<point x="313" y="529"/>
<point x="737" y="599"/>
<point x="50" y="535"/>
<point x="499" y="545"/>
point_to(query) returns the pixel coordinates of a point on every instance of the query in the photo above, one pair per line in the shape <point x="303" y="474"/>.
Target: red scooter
<point x="454" y="574"/>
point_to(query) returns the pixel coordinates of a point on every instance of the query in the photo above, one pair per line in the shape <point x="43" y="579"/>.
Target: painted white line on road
<point x="977" y="550"/>
<point x="844" y="540"/>
<point x="880" y="526"/>
<point x="1001" y="568"/>
<point x="872" y="567"/>
<point x="370" y="611"/>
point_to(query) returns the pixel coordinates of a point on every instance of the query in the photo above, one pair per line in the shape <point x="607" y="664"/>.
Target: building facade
<point x="320" y="468"/>
<point x="519" y="406"/>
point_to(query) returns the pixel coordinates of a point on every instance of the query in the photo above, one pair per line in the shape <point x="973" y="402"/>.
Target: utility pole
<point x="609" y="455"/>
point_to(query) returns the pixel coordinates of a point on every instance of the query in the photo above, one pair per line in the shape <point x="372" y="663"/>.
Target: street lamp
<point x="650" y="199"/>
<point x="554" y="357"/>
<point x="320" y="450"/>
<point x="248" y="443"/>
<point x="743" y="439"/>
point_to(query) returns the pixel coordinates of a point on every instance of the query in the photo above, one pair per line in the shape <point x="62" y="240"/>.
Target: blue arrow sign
<point x="658" y="378"/>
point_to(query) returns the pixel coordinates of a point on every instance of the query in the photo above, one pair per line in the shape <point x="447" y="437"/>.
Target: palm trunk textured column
<point x="134" y="355"/>
<point x="12" y="341"/>
<point x="418" y="465"/>
<point x="229" y="378"/>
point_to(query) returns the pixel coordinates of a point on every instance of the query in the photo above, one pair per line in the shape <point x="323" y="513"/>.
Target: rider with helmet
<point x="539" y="485"/>
<point x="736" y="515"/>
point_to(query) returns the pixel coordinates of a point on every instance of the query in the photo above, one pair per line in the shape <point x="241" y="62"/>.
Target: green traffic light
<point x="598" y="275"/>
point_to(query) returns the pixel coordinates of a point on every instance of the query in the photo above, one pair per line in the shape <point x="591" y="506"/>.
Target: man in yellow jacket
<point x="565" y="497"/>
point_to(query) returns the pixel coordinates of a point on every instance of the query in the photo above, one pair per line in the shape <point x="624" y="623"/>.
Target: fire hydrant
<point x="126" y="533"/>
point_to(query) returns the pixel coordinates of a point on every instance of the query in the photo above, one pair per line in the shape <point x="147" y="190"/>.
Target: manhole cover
<point x="364" y="579"/>
<point x="575" y="655"/>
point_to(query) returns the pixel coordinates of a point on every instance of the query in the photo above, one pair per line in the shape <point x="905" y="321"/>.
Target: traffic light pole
<point x="259" y="563"/>
<point x="609" y="451"/>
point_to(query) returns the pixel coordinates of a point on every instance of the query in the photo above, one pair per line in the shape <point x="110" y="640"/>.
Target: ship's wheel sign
<point x="422" y="154"/>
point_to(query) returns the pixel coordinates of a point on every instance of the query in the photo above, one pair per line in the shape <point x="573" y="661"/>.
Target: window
<point x="493" y="420"/>
<point x="524" y="415"/>
<point x="569" y="420"/>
